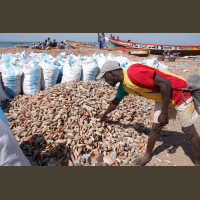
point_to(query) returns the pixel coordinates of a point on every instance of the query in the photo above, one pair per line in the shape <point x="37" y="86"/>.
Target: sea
<point x="14" y="44"/>
<point x="30" y="44"/>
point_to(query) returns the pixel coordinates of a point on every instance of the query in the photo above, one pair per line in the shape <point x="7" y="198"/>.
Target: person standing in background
<point x="103" y="35"/>
<point x="101" y="40"/>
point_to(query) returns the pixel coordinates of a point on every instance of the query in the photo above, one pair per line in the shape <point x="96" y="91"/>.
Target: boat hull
<point x="157" y="49"/>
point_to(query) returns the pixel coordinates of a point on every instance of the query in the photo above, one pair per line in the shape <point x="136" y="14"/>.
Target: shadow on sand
<point x="171" y="140"/>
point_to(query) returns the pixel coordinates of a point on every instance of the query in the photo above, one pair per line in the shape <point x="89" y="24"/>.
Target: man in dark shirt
<point x="54" y="43"/>
<point x="44" y="44"/>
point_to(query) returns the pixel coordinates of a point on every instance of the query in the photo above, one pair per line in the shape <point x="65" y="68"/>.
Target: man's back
<point x="139" y="78"/>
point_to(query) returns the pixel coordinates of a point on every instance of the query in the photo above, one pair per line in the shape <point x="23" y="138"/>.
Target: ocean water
<point x="30" y="44"/>
<point x="13" y="44"/>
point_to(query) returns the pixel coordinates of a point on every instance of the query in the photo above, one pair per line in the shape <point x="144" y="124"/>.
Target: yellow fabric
<point x="135" y="90"/>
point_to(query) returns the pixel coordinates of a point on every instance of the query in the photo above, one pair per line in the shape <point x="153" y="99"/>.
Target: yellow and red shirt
<point x="138" y="80"/>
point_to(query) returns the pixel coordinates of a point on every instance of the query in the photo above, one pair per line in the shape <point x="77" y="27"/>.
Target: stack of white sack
<point x="55" y="70"/>
<point x="10" y="152"/>
<point x="101" y="59"/>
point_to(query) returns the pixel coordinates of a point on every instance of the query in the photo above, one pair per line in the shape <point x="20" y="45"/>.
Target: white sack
<point x="3" y="95"/>
<point x="90" y="69"/>
<point x="155" y="63"/>
<point x="101" y="59"/>
<point x="31" y="81"/>
<point x="49" y="74"/>
<point x="10" y="152"/>
<point x="60" y="74"/>
<point x="71" y="72"/>
<point x="11" y="77"/>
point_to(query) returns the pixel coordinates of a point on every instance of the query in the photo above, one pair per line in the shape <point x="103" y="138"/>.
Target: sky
<point x="151" y="38"/>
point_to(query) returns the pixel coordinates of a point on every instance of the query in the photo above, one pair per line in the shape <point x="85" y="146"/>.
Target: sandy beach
<point x="172" y="145"/>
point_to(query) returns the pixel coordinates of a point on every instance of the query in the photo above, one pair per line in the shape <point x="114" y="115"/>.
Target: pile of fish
<point x="59" y="126"/>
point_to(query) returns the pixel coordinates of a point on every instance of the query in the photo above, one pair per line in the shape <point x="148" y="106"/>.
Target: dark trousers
<point x="100" y="44"/>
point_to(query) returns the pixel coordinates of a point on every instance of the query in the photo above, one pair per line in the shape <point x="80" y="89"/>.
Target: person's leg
<point x="187" y="116"/>
<point x="156" y="128"/>
<point x="100" y="44"/>
<point x="194" y="141"/>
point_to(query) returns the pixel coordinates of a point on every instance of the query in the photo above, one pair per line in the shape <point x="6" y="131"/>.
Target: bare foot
<point x="140" y="161"/>
<point x="197" y="163"/>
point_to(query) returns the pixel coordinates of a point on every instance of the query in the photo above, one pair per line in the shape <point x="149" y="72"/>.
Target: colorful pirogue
<point x="80" y="45"/>
<point x="156" y="48"/>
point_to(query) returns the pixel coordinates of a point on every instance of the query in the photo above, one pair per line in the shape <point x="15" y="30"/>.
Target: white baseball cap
<point x="108" y="66"/>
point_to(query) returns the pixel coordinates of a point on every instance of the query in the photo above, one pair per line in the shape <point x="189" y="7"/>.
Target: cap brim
<point x="100" y="75"/>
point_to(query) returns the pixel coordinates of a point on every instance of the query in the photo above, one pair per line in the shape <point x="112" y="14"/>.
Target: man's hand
<point x="114" y="103"/>
<point x="101" y="116"/>
<point x="163" y="118"/>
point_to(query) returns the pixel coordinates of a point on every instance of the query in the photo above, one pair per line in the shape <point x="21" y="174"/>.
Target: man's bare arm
<point x="165" y="87"/>
<point x="114" y="103"/>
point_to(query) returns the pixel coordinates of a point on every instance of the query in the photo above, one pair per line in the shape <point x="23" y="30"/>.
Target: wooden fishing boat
<point x="157" y="49"/>
<point x="24" y="46"/>
<point x="77" y="45"/>
<point x="138" y="52"/>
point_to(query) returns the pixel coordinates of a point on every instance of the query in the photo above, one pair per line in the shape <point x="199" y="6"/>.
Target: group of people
<point x="113" y="37"/>
<point x="48" y="44"/>
<point x="21" y="44"/>
<point x="166" y="53"/>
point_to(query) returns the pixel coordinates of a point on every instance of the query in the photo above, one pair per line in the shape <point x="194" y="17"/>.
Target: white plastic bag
<point x="110" y="57"/>
<point x="101" y="59"/>
<point x="10" y="152"/>
<point x="60" y="65"/>
<point x="11" y="78"/>
<point x="71" y="72"/>
<point x="31" y="81"/>
<point x="3" y="95"/>
<point x="49" y="74"/>
<point x="90" y="69"/>
<point x="155" y="63"/>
